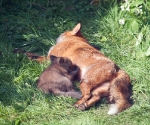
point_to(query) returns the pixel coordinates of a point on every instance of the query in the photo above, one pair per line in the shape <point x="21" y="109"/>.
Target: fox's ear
<point x="76" y="29"/>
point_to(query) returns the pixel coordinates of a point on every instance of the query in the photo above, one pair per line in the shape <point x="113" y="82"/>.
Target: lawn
<point x="120" y="31"/>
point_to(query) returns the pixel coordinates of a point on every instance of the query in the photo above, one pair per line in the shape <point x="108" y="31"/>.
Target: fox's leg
<point x="35" y="57"/>
<point x="86" y="94"/>
<point x="94" y="77"/>
<point x="120" y="93"/>
<point x="93" y="100"/>
<point x="96" y="95"/>
<point x="31" y="56"/>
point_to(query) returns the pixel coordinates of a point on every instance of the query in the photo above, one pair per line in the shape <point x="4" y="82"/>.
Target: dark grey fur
<point x="58" y="78"/>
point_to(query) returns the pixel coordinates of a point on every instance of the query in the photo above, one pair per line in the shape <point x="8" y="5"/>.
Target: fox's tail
<point x="120" y="93"/>
<point x="32" y="56"/>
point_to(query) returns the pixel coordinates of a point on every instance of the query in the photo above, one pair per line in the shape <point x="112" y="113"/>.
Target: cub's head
<point x="64" y="63"/>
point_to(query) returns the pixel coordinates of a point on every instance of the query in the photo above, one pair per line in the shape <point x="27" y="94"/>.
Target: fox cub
<point x="58" y="77"/>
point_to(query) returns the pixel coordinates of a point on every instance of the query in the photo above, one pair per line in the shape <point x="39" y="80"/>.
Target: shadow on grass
<point x="11" y="95"/>
<point x="35" y="25"/>
<point x="15" y="89"/>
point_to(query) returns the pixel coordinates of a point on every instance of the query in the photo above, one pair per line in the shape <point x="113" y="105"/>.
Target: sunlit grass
<point x="34" y="26"/>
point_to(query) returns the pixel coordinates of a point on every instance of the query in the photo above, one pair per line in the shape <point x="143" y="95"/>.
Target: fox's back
<point x="78" y="51"/>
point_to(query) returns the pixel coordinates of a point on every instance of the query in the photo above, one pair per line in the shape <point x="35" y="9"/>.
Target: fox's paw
<point x="81" y="106"/>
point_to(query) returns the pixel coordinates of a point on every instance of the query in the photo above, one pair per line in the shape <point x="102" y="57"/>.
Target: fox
<point x="58" y="78"/>
<point x="99" y="76"/>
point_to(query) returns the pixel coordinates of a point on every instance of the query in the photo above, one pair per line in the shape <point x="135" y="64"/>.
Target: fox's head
<point x="74" y="32"/>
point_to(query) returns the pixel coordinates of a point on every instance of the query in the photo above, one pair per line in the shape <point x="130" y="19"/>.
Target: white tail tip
<point x="113" y="109"/>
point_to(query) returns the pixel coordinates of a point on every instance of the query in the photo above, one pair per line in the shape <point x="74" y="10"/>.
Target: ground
<point x="34" y="25"/>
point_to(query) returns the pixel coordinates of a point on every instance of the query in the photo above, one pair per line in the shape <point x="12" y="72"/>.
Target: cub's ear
<point x="61" y="60"/>
<point x="53" y="59"/>
<point x="76" y="29"/>
<point x="65" y="62"/>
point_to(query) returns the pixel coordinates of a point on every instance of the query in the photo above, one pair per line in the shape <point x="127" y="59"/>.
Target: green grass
<point x="34" y="26"/>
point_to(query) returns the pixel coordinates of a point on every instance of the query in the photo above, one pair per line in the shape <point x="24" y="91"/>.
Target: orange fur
<point x="99" y="75"/>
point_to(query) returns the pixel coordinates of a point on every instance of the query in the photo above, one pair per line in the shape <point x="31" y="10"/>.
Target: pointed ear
<point x="61" y="60"/>
<point x="65" y="62"/>
<point x="76" y="29"/>
<point x="53" y="58"/>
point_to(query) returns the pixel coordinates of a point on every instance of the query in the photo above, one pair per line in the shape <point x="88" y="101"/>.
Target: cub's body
<point x="58" y="78"/>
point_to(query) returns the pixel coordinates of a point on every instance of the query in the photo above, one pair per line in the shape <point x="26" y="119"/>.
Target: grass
<point x="34" y="26"/>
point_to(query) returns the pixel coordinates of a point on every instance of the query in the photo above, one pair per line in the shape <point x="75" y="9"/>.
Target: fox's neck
<point x="70" y="38"/>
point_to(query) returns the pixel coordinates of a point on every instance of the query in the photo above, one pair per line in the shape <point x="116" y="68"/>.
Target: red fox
<point x="99" y="76"/>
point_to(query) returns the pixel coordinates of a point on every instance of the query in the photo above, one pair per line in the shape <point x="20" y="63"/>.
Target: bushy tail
<point x="120" y="93"/>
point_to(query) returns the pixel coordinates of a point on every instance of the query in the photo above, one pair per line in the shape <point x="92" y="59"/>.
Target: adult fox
<point x="99" y="76"/>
